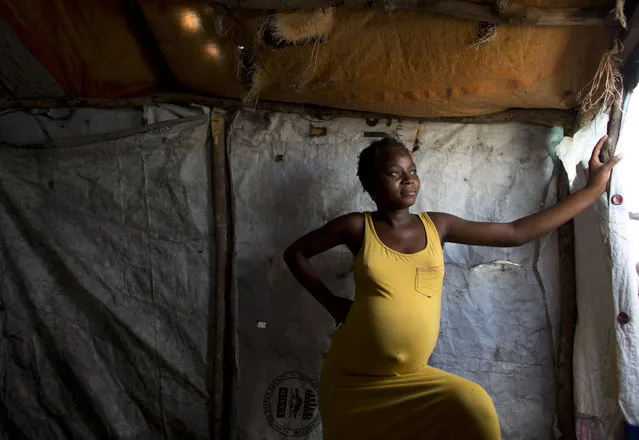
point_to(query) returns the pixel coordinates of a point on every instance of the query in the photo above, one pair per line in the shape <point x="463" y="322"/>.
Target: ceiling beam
<point x="548" y="117"/>
<point x="501" y="12"/>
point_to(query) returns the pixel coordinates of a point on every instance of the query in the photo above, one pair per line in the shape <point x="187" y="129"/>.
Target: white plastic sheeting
<point x="594" y="359"/>
<point x="46" y="125"/>
<point x="606" y="354"/>
<point x="623" y="215"/>
<point x="497" y="316"/>
<point x="105" y="281"/>
<point x="168" y="112"/>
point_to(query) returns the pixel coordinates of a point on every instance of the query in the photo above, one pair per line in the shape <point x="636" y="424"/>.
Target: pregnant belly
<point x="383" y="336"/>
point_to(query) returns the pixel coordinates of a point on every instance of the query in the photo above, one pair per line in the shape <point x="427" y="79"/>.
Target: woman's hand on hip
<point x="339" y="307"/>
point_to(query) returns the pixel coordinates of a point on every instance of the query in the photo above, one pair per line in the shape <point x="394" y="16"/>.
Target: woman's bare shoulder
<point x="351" y="223"/>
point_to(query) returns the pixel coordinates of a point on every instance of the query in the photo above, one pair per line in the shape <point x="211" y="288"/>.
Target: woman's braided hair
<point x="370" y="155"/>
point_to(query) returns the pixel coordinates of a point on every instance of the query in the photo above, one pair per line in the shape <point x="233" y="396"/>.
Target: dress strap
<point x="369" y="229"/>
<point x="431" y="229"/>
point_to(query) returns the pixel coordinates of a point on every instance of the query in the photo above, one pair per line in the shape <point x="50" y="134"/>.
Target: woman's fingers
<point x="614" y="161"/>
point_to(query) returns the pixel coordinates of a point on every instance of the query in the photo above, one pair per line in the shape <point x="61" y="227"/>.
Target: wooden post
<point x="218" y="392"/>
<point x="568" y="317"/>
<point x="614" y="127"/>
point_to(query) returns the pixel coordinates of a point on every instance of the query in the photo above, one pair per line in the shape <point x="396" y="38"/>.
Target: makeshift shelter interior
<point x="157" y="157"/>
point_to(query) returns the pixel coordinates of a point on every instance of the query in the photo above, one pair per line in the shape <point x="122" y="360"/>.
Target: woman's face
<point x="396" y="182"/>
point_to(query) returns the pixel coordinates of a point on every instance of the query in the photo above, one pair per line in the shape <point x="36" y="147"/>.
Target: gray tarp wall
<point x="498" y="316"/>
<point x="105" y="277"/>
<point x="105" y="270"/>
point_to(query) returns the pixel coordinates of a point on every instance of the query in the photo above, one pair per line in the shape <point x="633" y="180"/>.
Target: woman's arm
<point x="456" y="230"/>
<point x="348" y="230"/>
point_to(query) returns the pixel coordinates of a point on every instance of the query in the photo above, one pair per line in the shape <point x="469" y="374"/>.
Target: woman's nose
<point x="409" y="179"/>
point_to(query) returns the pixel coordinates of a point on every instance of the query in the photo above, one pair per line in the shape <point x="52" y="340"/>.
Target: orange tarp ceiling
<point x="398" y="62"/>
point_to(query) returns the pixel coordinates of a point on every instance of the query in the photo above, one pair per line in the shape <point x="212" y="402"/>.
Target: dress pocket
<point x="428" y="280"/>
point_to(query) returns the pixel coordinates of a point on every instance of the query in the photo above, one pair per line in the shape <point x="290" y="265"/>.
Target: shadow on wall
<point x="298" y="196"/>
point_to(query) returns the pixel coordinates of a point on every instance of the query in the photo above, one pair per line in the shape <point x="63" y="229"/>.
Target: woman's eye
<point x="394" y="173"/>
<point x="413" y="172"/>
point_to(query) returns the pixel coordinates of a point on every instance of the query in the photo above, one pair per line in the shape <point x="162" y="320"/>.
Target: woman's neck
<point x="397" y="217"/>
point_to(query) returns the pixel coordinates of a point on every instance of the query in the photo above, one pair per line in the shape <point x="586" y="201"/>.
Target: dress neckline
<point x="384" y="245"/>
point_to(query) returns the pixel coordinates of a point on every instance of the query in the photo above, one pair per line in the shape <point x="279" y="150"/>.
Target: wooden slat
<point x="218" y="316"/>
<point x="614" y="127"/>
<point x="502" y="12"/>
<point x="568" y="317"/>
<point x="548" y="117"/>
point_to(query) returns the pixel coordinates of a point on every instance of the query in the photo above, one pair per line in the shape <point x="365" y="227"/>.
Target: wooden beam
<point x="568" y="314"/>
<point x="502" y="12"/>
<point x="136" y="21"/>
<point x="548" y="117"/>
<point x="219" y="388"/>
<point x="613" y="130"/>
<point x="614" y="127"/>
<point x="507" y="12"/>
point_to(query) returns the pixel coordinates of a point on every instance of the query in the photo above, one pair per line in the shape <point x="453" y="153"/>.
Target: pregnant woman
<point x="375" y="381"/>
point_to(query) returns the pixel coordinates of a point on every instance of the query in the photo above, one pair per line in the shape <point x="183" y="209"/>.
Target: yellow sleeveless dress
<point x="375" y="383"/>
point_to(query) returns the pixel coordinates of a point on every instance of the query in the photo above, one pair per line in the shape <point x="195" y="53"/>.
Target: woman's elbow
<point x="291" y="255"/>
<point x="518" y="241"/>
<point x="517" y="237"/>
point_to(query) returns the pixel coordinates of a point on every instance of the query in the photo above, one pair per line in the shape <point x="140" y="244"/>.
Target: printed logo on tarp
<point x="290" y="404"/>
